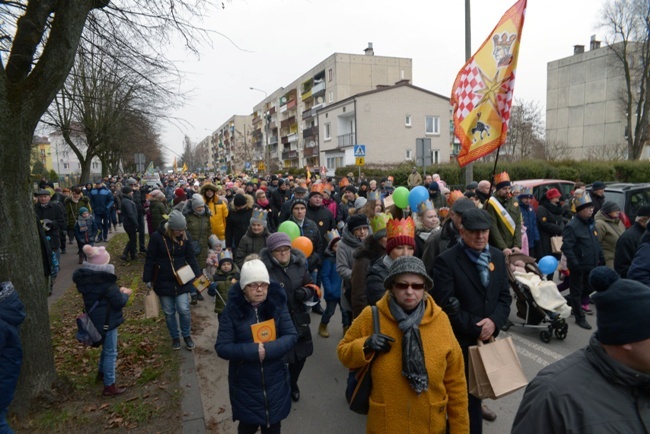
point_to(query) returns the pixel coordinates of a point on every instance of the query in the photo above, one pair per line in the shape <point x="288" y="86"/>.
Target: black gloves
<point x="302" y="294"/>
<point x="378" y="342"/>
<point x="452" y="307"/>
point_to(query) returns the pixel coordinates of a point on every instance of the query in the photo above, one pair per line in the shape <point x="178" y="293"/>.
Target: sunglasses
<point x="403" y="285"/>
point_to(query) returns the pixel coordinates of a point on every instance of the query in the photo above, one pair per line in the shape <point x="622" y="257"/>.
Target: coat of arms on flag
<point x="483" y="90"/>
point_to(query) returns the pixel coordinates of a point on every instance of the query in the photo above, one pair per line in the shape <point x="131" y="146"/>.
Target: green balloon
<point x="290" y="228"/>
<point x="401" y="197"/>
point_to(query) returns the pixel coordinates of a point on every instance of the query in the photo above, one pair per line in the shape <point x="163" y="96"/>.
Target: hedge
<point x="452" y="174"/>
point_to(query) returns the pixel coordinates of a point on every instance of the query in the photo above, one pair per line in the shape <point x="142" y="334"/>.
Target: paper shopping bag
<point x="151" y="307"/>
<point x="556" y="244"/>
<point x="496" y="369"/>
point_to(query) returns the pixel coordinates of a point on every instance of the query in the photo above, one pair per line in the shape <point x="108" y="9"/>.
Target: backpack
<point x="87" y="333"/>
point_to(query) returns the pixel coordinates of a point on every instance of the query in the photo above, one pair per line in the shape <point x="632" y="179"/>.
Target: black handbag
<point x="360" y="384"/>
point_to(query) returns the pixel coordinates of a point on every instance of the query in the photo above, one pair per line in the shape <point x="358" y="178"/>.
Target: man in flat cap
<point x="471" y="286"/>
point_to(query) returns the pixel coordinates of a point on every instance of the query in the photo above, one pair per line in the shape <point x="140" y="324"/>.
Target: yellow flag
<point x="175" y="166"/>
<point x="483" y="91"/>
<point x="308" y="172"/>
<point x="184" y="167"/>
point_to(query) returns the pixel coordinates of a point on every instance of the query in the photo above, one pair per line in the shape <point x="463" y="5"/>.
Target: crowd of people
<point x="436" y="272"/>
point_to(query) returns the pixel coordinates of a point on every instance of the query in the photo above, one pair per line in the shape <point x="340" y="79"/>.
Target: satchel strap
<point x="171" y="261"/>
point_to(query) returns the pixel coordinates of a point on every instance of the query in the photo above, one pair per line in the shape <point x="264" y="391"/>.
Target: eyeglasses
<point x="257" y="285"/>
<point x="283" y="250"/>
<point x="405" y="285"/>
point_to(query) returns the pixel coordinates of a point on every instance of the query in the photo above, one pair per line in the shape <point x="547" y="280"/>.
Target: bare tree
<point x="607" y="152"/>
<point x="627" y="23"/>
<point x="38" y="44"/>
<point x="554" y="150"/>
<point x="525" y="130"/>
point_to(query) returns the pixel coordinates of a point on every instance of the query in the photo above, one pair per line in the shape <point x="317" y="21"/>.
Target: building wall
<point x="41" y="151"/>
<point x="380" y="123"/>
<point x="65" y="161"/>
<point x="583" y="106"/>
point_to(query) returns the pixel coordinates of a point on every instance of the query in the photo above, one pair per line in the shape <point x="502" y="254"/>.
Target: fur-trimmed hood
<point x="250" y="201"/>
<point x="276" y="299"/>
<point x="208" y="186"/>
<point x="296" y="257"/>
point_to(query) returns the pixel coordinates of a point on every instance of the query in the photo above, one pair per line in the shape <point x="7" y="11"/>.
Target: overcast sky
<point x="279" y="40"/>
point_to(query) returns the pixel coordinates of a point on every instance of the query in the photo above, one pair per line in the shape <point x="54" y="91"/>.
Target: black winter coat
<point x="53" y="212"/>
<point x="259" y="391"/>
<point x="237" y="224"/>
<point x="626" y="247"/>
<point x="322" y="217"/>
<point x="129" y="212"/>
<point x="456" y="276"/>
<point x="377" y="273"/>
<point x="550" y="222"/>
<point x="580" y="245"/>
<point x="96" y="285"/>
<point x="444" y="239"/>
<point x="369" y="251"/>
<point x="181" y="253"/>
<point x="250" y="243"/>
<point x="293" y="279"/>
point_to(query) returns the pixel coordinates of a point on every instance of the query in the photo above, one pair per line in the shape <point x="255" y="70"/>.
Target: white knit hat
<point x="253" y="271"/>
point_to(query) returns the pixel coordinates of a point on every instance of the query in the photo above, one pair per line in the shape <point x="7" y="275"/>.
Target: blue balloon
<point x="416" y="196"/>
<point x="548" y="264"/>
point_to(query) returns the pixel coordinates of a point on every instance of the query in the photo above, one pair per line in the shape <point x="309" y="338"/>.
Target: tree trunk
<point x="21" y="261"/>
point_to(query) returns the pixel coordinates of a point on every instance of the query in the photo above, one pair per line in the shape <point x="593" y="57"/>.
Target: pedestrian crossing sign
<point x="360" y="161"/>
<point x="359" y="150"/>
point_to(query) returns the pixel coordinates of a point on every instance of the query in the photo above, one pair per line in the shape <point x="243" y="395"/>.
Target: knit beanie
<point x="277" y="240"/>
<point x="127" y="190"/>
<point x="400" y="240"/>
<point x="82" y="210"/>
<point x="214" y="241"/>
<point x="623" y="307"/>
<point x="157" y="194"/>
<point x="357" y="221"/>
<point x="253" y="271"/>
<point x="176" y="221"/>
<point x="96" y="255"/>
<point x="407" y="264"/>
<point x="302" y="202"/>
<point x="240" y="200"/>
<point x="360" y="202"/>
<point x="180" y="193"/>
<point x="609" y="206"/>
<point x="197" y="202"/>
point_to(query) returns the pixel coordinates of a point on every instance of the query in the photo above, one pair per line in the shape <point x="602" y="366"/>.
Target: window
<point x="409" y="155"/>
<point x="432" y="125"/>
<point x="327" y="132"/>
<point x="407" y="120"/>
<point x="436" y="157"/>
<point x="331" y="95"/>
<point x="65" y="165"/>
<point x="330" y="74"/>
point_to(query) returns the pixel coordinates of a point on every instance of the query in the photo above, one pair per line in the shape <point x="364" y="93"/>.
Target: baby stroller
<point x="539" y="303"/>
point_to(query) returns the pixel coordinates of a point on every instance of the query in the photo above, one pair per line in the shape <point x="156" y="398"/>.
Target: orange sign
<point x="263" y="331"/>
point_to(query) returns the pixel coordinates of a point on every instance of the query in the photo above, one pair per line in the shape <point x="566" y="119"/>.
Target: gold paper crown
<point x="454" y="196"/>
<point x="318" y="188"/>
<point x="501" y="177"/>
<point x="405" y="227"/>
<point x="259" y="214"/>
<point x="225" y="254"/>
<point x="332" y="235"/>
<point x="373" y="195"/>
<point x="425" y="206"/>
<point x="580" y="198"/>
<point x="378" y="222"/>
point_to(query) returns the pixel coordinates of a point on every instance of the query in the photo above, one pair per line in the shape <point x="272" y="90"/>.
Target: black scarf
<point x="413" y="367"/>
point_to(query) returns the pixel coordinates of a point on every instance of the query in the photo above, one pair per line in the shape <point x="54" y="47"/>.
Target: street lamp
<point x="265" y="132"/>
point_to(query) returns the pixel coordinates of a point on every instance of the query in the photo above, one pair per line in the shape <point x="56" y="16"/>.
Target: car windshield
<point x="638" y="198"/>
<point x="618" y="197"/>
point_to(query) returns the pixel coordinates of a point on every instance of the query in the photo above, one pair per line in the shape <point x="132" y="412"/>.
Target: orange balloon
<point x="303" y="244"/>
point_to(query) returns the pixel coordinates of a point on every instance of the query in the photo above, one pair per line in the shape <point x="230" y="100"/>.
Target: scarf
<point x="413" y="367"/>
<point x="263" y="202"/>
<point x="482" y="262"/>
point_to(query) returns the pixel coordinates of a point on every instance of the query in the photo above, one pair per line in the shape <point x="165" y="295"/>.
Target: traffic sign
<point x="360" y="161"/>
<point x="360" y="151"/>
<point x="261" y="166"/>
<point x="247" y="165"/>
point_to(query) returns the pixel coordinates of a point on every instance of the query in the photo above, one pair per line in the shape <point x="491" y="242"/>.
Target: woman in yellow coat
<point x="218" y="209"/>
<point x="418" y="373"/>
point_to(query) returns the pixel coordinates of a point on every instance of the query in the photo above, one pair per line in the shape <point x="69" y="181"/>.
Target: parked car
<point x="629" y="197"/>
<point x="541" y="186"/>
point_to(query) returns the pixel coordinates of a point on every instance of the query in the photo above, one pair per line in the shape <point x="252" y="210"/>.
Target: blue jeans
<point x="170" y="306"/>
<point x="329" y="311"/>
<point x="108" y="357"/>
<point x="4" y="425"/>
<point x="103" y="221"/>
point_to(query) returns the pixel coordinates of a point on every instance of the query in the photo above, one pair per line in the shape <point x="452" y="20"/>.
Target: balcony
<point x="272" y="111"/>
<point x="289" y="155"/>
<point x="273" y="140"/>
<point x="284" y="140"/>
<point x="257" y="119"/>
<point x="283" y="108"/>
<point x="257" y="132"/>
<point x="292" y="104"/>
<point x="306" y="95"/>
<point x="306" y="114"/>
<point x="308" y="132"/>
<point x="346" y="140"/>
<point x="288" y="122"/>
<point x="311" y="151"/>
<point x="318" y="89"/>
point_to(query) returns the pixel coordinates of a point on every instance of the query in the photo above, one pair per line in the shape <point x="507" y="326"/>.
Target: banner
<point x="483" y="90"/>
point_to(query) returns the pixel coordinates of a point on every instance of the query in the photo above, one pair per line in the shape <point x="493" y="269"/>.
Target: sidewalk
<point x="192" y="405"/>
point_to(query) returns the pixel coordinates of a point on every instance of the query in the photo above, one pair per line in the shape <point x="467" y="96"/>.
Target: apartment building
<point x="287" y="120"/>
<point x="387" y="120"/>
<point x="232" y="145"/>
<point x="41" y="152"/>
<point x="584" y="110"/>
<point x="64" y="161"/>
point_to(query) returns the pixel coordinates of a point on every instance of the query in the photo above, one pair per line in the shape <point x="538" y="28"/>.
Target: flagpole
<point x="469" y="169"/>
<point x="494" y="171"/>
